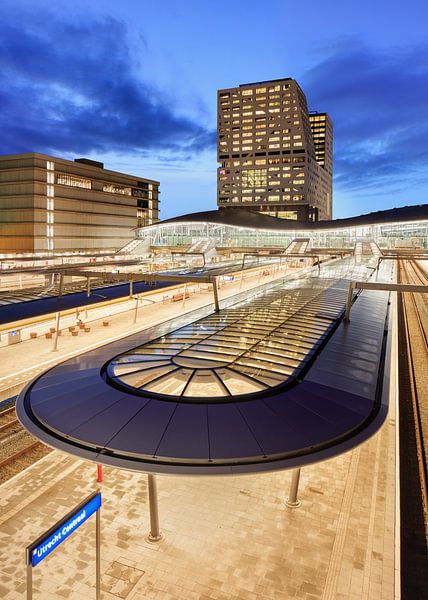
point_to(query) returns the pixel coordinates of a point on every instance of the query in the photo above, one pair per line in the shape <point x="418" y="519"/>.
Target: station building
<point x="49" y="204"/>
<point x="405" y="227"/>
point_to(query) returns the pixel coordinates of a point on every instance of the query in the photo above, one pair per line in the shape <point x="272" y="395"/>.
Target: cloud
<point x="69" y="86"/>
<point x="377" y="100"/>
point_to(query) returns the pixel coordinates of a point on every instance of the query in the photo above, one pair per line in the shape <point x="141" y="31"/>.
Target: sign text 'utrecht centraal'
<point x="51" y="539"/>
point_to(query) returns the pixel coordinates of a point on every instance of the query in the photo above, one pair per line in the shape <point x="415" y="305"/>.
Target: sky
<point x="134" y="84"/>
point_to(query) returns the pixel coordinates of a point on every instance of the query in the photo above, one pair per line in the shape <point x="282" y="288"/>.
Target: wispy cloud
<point x="377" y="100"/>
<point x="70" y="86"/>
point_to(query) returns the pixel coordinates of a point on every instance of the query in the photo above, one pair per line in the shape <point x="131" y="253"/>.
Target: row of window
<point x="226" y="107"/>
<point x="74" y="181"/>
<point x="84" y="183"/>
<point x="246" y="101"/>
<point x="264" y="161"/>
<point x="273" y="137"/>
<point x="251" y="91"/>
<point x="269" y="198"/>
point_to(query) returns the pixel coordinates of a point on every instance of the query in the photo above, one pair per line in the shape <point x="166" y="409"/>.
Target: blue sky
<point x="133" y="84"/>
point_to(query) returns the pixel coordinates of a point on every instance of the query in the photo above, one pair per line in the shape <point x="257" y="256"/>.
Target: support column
<point x="29" y="594"/>
<point x="292" y="501"/>
<point x="155" y="534"/>
<point x="184" y="294"/>
<point x="136" y="309"/>
<point x="98" y="555"/>
<point x="58" y="313"/>
<point x="88" y="287"/>
<point x="131" y="288"/>
<point x="242" y="277"/>
<point x="349" y="301"/>
<point x="215" y="290"/>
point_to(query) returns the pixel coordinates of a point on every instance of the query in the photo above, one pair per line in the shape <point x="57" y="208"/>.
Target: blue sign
<point x="63" y="529"/>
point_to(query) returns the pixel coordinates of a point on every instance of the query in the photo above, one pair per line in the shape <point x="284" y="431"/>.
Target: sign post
<point x="58" y="533"/>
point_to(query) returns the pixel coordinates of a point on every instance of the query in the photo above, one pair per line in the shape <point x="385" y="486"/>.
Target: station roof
<point x="290" y="384"/>
<point x="241" y="217"/>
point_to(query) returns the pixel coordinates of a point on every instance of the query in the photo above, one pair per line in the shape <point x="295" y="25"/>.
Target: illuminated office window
<point x="73" y="181"/>
<point x="254" y="177"/>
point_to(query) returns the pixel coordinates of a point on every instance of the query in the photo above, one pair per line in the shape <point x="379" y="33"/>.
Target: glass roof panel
<point x="142" y="377"/>
<point x="205" y="383"/>
<point x="241" y="350"/>
<point x="171" y="384"/>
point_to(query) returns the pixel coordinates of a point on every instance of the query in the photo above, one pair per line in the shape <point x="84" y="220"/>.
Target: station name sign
<point x="59" y="532"/>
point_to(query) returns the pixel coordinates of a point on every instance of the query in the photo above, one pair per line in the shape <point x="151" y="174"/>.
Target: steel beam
<point x="389" y="287"/>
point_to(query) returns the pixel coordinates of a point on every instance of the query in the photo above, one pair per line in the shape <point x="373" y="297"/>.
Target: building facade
<point x="50" y="204"/>
<point x="275" y="157"/>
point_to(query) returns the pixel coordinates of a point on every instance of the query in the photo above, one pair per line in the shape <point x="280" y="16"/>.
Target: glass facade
<point x="413" y="234"/>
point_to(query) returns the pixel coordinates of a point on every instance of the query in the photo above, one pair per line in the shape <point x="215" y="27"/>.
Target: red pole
<point x="99" y="473"/>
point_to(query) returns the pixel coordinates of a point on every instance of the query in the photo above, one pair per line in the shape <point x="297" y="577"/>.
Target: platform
<point x="226" y="538"/>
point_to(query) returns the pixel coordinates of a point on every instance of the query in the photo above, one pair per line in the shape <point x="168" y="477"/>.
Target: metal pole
<point x="98" y="555"/>
<point x="216" y="304"/>
<point x="155" y="534"/>
<point x="29" y="581"/>
<point x="349" y="301"/>
<point x="136" y="309"/>
<point x="131" y="288"/>
<point x="58" y="314"/>
<point x="88" y="287"/>
<point x="184" y="294"/>
<point x="292" y="501"/>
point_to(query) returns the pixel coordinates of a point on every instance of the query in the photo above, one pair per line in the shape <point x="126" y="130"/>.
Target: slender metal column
<point x="136" y="309"/>
<point x="98" y="555"/>
<point x="131" y="288"/>
<point x="88" y="287"/>
<point x="292" y="501"/>
<point x="58" y="313"/>
<point x="155" y="534"/>
<point x="349" y="301"/>
<point x="215" y="290"/>
<point x="29" y="581"/>
<point x="184" y="294"/>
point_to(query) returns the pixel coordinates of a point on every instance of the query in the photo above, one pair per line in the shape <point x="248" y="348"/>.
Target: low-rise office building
<point x="50" y="204"/>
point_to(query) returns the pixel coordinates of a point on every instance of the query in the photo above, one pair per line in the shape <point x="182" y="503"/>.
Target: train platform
<point x="224" y="537"/>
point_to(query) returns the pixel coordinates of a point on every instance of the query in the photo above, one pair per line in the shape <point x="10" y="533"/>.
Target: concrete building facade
<point x="275" y="157"/>
<point x="50" y="204"/>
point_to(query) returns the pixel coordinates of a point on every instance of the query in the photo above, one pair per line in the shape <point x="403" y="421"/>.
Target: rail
<point x="9" y="459"/>
<point x="413" y="434"/>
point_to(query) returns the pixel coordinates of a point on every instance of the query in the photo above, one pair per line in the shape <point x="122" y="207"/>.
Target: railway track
<point x="413" y="412"/>
<point x="18" y="449"/>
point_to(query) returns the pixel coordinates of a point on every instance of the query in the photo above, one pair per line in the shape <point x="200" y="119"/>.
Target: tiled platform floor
<point x="225" y="538"/>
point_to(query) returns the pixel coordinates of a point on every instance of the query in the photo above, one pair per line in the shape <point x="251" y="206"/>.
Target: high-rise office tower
<point x="275" y="157"/>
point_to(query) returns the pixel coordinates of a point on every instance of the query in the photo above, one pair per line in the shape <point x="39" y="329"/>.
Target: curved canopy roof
<point x="242" y="217"/>
<point x="323" y="396"/>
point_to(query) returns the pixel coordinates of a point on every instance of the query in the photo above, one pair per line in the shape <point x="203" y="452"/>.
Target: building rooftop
<point x="241" y="217"/>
